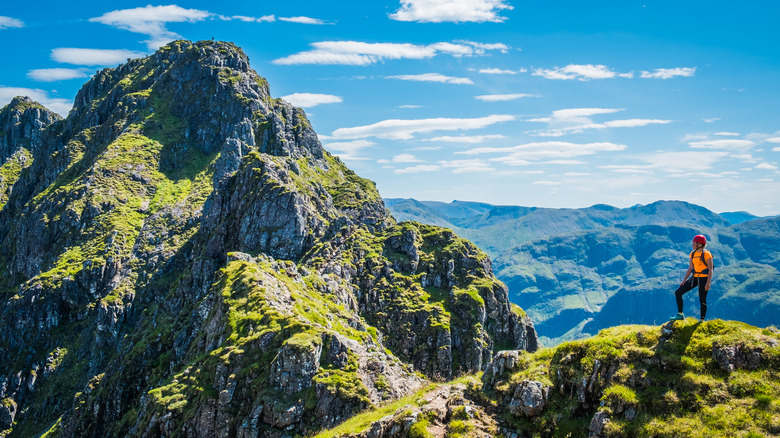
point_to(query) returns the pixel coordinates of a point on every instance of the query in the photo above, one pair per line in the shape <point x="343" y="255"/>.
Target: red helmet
<point x="700" y="239"/>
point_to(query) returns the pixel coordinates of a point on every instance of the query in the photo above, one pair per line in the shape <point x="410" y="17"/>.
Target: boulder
<point x="529" y="399"/>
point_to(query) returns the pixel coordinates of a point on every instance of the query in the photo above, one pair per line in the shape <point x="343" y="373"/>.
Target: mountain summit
<point x="182" y="258"/>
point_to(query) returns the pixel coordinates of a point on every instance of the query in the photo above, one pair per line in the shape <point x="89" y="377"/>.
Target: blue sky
<point x="535" y="103"/>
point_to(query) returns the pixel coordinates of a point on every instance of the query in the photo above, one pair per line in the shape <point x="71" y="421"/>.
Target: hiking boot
<point x="678" y="317"/>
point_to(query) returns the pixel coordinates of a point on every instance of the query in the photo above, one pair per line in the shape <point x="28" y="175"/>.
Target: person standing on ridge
<point x="702" y="268"/>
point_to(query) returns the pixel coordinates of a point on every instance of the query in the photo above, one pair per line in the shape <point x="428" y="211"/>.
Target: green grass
<point x="10" y="171"/>
<point x="673" y="385"/>
<point x="360" y="422"/>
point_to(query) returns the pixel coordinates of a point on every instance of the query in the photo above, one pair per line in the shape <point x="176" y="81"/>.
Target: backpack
<point x="704" y="262"/>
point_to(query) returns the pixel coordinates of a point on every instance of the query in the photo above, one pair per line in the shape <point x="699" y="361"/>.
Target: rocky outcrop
<point x="741" y="356"/>
<point x="22" y="123"/>
<point x="446" y="410"/>
<point x="529" y="399"/>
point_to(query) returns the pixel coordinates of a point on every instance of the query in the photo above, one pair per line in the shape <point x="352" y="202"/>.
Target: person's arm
<point x="688" y="272"/>
<point x="710" y="272"/>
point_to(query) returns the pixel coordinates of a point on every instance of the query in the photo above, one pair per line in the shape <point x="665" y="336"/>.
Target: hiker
<point x="701" y="267"/>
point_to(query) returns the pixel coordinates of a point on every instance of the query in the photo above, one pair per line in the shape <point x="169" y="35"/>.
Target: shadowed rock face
<point x="183" y="258"/>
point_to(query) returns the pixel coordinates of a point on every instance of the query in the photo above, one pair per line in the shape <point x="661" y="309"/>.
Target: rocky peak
<point x="204" y="95"/>
<point x="21" y="124"/>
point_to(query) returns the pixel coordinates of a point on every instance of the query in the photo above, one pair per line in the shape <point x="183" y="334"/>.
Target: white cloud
<point x="361" y="53"/>
<point x="744" y="157"/>
<point x="502" y="97"/>
<point x="322" y="57"/>
<point x="677" y="164"/>
<point x="309" y="100"/>
<point x="684" y="162"/>
<point x="481" y="48"/>
<point x="419" y="169"/>
<point x="576" y="120"/>
<point x="457" y="50"/>
<point x="459" y="11"/>
<point x="631" y="123"/>
<point x="766" y="166"/>
<point x="474" y="139"/>
<point x="565" y="162"/>
<point x="773" y="140"/>
<point x="397" y="129"/>
<point x="582" y="72"/>
<point x="350" y="146"/>
<point x="546" y="183"/>
<point x="244" y="18"/>
<point x="433" y="77"/>
<point x="405" y="158"/>
<point x="151" y="21"/>
<point x="349" y="150"/>
<point x="728" y="134"/>
<point x="467" y="166"/>
<point x="56" y="74"/>
<point x="6" y="22"/>
<point x="543" y="150"/>
<point x="668" y="73"/>
<point x="575" y="115"/>
<point x="59" y="106"/>
<point x="739" y="145"/>
<point x="689" y="137"/>
<point x="409" y="106"/>
<point x="777" y="149"/>
<point x="303" y="20"/>
<point x="711" y="120"/>
<point x="498" y="71"/>
<point x="102" y="57"/>
<point x="629" y="168"/>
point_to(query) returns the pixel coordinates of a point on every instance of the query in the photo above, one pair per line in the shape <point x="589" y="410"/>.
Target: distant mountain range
<point x="576" y="271"/>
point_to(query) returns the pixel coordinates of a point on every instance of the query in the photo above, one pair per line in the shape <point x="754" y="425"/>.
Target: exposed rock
<point x="503" y="361"/>
<point x="8" y="409"/>
<point x="596" y="428"/>
<point x="529" y="399"/>
<point x="294" y="367"/>
<point x="739" y="356"/>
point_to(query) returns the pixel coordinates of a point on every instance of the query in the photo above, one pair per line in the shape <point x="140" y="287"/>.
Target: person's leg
<point x="703" y="297"/>
<point x="678" y="294"/>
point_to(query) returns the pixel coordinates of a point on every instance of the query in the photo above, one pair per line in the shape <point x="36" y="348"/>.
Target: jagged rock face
<point x="22" y="124"/>
<point x="464" y="308"/>
<point x="183" y="258"/>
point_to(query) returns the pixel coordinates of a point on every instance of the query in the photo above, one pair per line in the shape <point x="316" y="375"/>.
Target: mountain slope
<point x="183" y="258"/>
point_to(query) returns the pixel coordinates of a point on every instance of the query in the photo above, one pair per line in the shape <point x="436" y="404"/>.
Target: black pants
<point x="692" y="282"/>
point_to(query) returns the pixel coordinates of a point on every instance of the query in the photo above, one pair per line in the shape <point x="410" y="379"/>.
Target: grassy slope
<point x="672" y="382"/>
<point x="647" y="382"/>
